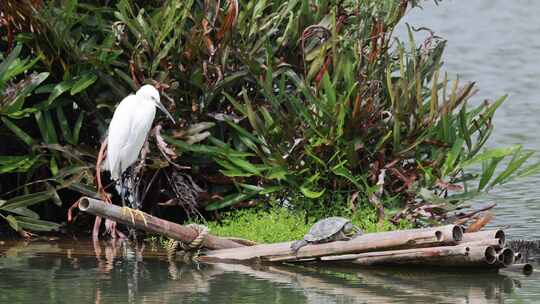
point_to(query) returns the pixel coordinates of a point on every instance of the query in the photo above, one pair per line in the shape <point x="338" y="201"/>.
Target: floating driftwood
<point x="147" y="222"/>
<point x="281" y="252"/>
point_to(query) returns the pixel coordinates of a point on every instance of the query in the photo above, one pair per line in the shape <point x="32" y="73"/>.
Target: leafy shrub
<point x="314" y="104"/>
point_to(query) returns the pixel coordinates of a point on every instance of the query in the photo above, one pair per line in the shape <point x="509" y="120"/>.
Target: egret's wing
<point x="141" y="121"/>
<point x="119" y="134"/>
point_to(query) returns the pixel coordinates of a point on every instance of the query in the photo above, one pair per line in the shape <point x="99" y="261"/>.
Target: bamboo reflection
<point x="142" y="274"/>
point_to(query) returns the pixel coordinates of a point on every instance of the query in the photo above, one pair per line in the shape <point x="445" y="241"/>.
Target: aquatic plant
<point x="275" y="224"/>
<point x="315" y="105"/>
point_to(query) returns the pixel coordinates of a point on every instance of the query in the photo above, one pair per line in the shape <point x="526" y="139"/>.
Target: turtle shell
<point x="325" y="228"/>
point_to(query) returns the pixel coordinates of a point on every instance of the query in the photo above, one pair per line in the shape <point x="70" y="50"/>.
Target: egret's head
<point x="149" y="92"/>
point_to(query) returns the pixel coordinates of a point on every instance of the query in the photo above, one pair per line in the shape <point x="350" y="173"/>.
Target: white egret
<point x="128" y="130"/>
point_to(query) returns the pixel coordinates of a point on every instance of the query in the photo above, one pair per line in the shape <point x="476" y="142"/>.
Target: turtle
<point x="328" y="230"/>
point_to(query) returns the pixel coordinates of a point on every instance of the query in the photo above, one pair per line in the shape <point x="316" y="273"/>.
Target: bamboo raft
<point x="444" y="246"/>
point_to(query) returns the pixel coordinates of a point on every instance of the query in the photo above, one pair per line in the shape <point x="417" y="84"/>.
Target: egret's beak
<point x="162" y="108"/>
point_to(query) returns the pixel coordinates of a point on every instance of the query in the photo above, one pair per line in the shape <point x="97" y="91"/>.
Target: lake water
<point x="113" y="272"/>
<point x="493" y="42"/>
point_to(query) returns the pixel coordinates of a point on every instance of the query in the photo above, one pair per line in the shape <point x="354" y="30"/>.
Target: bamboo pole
<point x="280" y="252"/>
<point x="526" y="269"/>
<point x="483" y="235"/>
<point x="147" y="222"/>
<point x="479" y="256"/>
<point x="496" y="243"/>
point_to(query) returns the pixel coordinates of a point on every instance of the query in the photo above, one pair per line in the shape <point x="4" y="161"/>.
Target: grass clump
<point x="282" y="224"/>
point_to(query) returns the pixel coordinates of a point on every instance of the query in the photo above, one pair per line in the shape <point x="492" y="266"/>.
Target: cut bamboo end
<point x="527" y="269"/>
<point x="506" y="257"/>
<point x="490" y="254"/>
<point x="449" y="233"/>
<point x="84" y="204"/>
<point x="517" y="257"/>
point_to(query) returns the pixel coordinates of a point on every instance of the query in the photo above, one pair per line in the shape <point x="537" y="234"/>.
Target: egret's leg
<point x="123" y="192"/>
<point x="123" y="189"/>
<point x="102" y="193"/>
<point x="129" y="198"/>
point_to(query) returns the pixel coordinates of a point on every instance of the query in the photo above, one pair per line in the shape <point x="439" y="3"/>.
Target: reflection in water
<point x="115" y="272"/>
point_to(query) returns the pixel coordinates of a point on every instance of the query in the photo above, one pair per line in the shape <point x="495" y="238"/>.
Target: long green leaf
<point x="311" y="193"/>
<point x="83" y="83"/>
<point x="490" y="154"/>
<point x="230" y="200"/>
<point x="27" y="139"/>
<point x="35" y="224"/>
<point x="26" y="200"/>
<point x="64" y="125"/>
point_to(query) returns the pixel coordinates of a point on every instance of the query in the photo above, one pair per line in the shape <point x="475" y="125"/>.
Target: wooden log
<point x="437" y="236"/>
<point x="477" y="256"/>
<point x="526" y="269"/>
<point x="483" y="235"/>
<point x="147" y="222"/>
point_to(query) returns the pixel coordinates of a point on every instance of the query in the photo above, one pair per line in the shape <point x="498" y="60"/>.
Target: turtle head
<point x="348" y="228"/>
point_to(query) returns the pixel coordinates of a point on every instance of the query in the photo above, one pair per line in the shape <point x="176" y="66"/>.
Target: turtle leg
<point x="357" y="232"/>
<point x="297" y="245"/>
<point x="341" y="236"/>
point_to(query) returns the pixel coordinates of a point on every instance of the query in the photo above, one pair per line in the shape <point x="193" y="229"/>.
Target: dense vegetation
<point x="313" y="105"/>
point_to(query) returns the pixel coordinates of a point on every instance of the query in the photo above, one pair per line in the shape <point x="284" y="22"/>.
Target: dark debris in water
<point x="529" y="249"/>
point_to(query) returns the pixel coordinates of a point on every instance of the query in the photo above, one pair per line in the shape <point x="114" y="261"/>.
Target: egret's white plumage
<point x="129" y="127"/>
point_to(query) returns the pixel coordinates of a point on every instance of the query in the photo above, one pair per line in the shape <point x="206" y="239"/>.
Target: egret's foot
<point x="133" y="213"/>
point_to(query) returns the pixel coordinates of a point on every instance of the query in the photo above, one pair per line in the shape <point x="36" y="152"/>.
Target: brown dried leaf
<point x="229" y="20"/>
